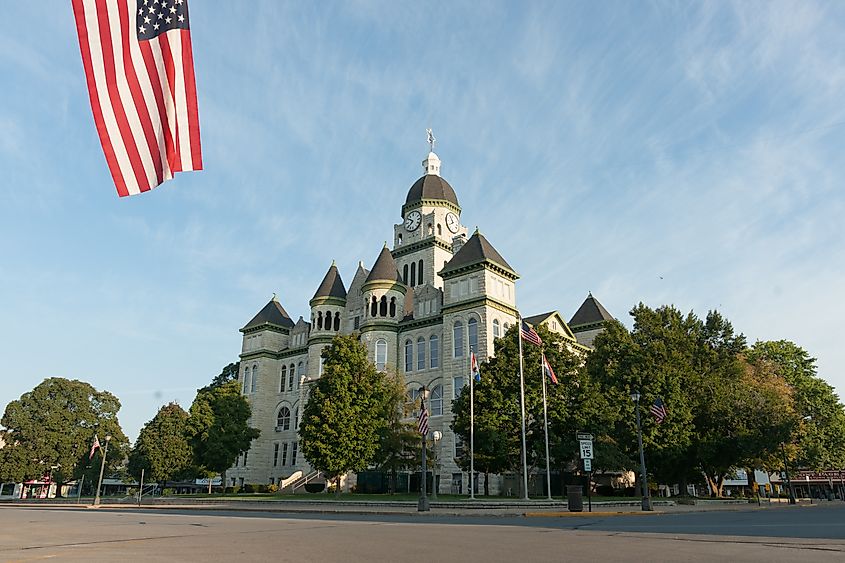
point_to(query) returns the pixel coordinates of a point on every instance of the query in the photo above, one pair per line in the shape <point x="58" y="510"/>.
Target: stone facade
<point x="420" y="310"/>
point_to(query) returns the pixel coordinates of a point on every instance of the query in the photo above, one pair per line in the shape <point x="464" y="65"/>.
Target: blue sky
<point x="663" y="152"/>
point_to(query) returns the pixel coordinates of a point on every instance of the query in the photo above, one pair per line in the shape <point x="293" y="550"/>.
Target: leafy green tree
<point x="162" y="447"/>
<point x="399" y="440"/>
<point x="227" y="374"/>
<point x="218" y="427"/>
<point x="818" y="441"/>
<point x="54" y="425"/>
<point x="345" y="412"/>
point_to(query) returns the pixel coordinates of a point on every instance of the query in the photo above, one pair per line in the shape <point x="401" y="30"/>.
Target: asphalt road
<point x="78" y="534"/>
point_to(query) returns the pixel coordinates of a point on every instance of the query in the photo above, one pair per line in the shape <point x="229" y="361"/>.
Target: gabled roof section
<point x="332" y="285"/>
<point x="477" y="250"/>
<point x="384" y="268"/>
<point x="272" y="314"/>
<point x="590" y="312"/>
<point x="552" y="321"/>
<point x="535" y="320"/>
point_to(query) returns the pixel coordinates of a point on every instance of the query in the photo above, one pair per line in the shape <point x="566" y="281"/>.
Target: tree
<point x="54" y="425"/>
<point x="345" y="412"/>
<point x="818" y="441"/>
<point x="227" y="374"/>
<point x="218" y="427"/>
<point x="399" y="440"/>
<point x="162" y="447"/>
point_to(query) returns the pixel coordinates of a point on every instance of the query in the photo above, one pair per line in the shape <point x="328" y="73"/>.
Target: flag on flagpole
<point x="139" y="68"/>
<point x="530" y="335"/>
<point x="658" y="409"/>
<point x="422" y="424"/>
<point x="94" y="447"/>
<point x="548" y="371"/>
<point x="473" y="366"/>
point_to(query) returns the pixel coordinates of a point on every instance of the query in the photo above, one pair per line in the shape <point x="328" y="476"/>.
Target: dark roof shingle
<point x="590" y="312"/>
<point x="332" y="285"/>
<point x="273" y="313"/>
<point x="476" y="250"/>
<point x="385" y="267"/>
<point x="431" y="186"/>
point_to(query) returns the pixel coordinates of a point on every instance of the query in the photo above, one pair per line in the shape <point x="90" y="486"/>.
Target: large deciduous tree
<point x="218" y="427"/>
<point x="54" y="426"/>
<point x="399" y="440"/>
<point x="162" y="447"/>
<point x="345" y="412"/>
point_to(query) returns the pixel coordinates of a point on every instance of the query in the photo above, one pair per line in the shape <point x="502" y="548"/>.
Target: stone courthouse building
<point x="419" y="310"/>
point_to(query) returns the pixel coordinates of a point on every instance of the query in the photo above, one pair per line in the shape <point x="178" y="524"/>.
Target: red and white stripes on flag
<point x="422" y="423"/>
<point x="140" y="73"/>
<point x="94" y="446"/>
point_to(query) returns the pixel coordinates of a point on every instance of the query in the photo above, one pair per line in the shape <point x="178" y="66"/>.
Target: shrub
<point x="166" y="492"/>
<point x="249" y="488"/>
<point x="272" y="488"/>
<point x="604" y="491"/>
<point x="315" y="487"/>
<point x="262" y="488"/>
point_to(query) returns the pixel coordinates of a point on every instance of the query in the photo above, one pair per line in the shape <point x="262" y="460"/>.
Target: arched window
<point x="293" y="376"/>
<point x="382" y="308"/>
<point x="374" y="307"/>
<point x="413" y="274"/>
<point x="246" y="386"/>
<point x="420" y="353"/>
<point x="409" y="356"/>
<point x="381" y="354"/>
<point x="300" y="371"/>
<point x="436" y="402"/>
<point x="399" y="238"/>
<point x="434" y="351"/>
<point x="283" y="379"/>
<point x="254" y="387"/>
<point x="472" y="333"/>
<point x="405" y="274"/>
<point x="506" y="326"/>
<point x="458" y="339"/>
<point x="283" y="419"/>
<point x="296" y="419"/>
<point x="420" y="273"/>
<point x="320" y="320"/>
<point x="439" y="230"/>
<point x="496" y="331"/>
<point x="392" y="306"/>
<point x="337" y="321"/>
<point x="430" y="229"/>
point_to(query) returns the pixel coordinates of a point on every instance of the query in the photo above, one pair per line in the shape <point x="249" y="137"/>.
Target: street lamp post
<point x="635" y="396"/>
<point x="423" y="504"/>
<point x="50" y="480"/>
<point x="436" y="436"/>
<point x="786" y="474"/>
<point x="102" y="468"/>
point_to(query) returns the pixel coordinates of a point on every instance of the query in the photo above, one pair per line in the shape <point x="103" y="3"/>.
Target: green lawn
<point x="352" y="497"/>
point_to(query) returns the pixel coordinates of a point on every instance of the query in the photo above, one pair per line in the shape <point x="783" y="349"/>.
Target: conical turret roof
<point x="332" y="285"/>
<point x="384" y="268"/>
<point x="590" y="312"/>
<point x="273" y="313"/>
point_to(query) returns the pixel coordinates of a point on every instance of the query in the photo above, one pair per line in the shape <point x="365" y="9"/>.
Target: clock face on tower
<point x="413" y="220"/>
<point x="452" y="222"/>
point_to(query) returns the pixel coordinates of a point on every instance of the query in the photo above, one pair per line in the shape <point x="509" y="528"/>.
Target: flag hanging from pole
<point x="94" y="447"/>
<point x="548" y="371"/>
<point x="140" y="72"/>
<point x="530" y="335"/>
<point x="422" y="424"/>
<point x="473" y="367"/>
<point x="658" y="409"/>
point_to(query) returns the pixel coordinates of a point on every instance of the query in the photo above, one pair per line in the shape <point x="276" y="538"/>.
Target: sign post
<point x="585" y="441"/>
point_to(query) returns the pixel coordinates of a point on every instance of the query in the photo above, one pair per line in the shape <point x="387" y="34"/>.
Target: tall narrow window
<point x="381" y="354"/>
<point x="496" y="331"/>
<point x="337" y="321"/>
<point x="374" y="307"/>
<point x="246" y="386"/>
<point x="434" y="351"/>
<point x="413" y="274"/>
<point x="300" y="372"/>
<point x="254" y="387"/>
<point x="409" y="356"/>
<point x="458" y="339"/>
<point x="436" y="400"/>
<point x="275" y="454"/>
<point x="292" y="377"/>
<point x="405" y="274"/>
<point x="472" y="333"/>
<point x="439" y="229"/>
<point x="392" y="306"/>
<point x="457" y="386"/>
<point x="421" y="353"/>
<point x="320" y="320"/>
<point x="293" y="453"/>
<point x="420" y="273"/>
<point x="284" y="454"/>
<point x="283" y="379"/>
<point x="382" y="307"/>
<point x="283" y="419"/>
<point x="296" y="419"/>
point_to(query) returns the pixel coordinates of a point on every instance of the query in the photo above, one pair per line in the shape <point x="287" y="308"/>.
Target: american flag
<point x="548" y="371"/>
<point x="94" y="447"/>
<point x="658" y="409"/>
<point x="422" y="424"/>
<point x="473" y="366"/>
<point x="140" y="73"/>
<point x="530" y="335"/>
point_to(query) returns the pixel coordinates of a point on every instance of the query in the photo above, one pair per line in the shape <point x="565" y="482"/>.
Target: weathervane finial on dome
<point x="431" y="139"/>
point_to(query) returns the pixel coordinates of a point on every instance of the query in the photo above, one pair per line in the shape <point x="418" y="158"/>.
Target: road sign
<point x="583" y="436"/>
<point x="588" y="464"/>
<point x="586" y="449"/>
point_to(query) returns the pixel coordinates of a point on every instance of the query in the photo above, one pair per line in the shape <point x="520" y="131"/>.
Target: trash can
<point x="575" y="498"/>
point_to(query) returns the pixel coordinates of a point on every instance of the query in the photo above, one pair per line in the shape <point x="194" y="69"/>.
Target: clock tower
<point x="431" y="230"/>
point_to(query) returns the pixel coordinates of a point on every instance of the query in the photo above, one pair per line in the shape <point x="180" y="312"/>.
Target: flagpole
<point x="546" y="425"/>
<point x="522" y="408"/>
<point x="471" y="428"/>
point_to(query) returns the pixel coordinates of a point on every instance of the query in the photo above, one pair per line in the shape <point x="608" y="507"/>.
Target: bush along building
<point x="419" y="310"/>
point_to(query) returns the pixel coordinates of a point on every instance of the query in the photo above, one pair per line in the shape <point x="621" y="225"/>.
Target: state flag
<point x="548" y="371"/>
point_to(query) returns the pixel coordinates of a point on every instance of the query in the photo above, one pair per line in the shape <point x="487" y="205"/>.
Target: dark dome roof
<point x="431" y="186"/>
